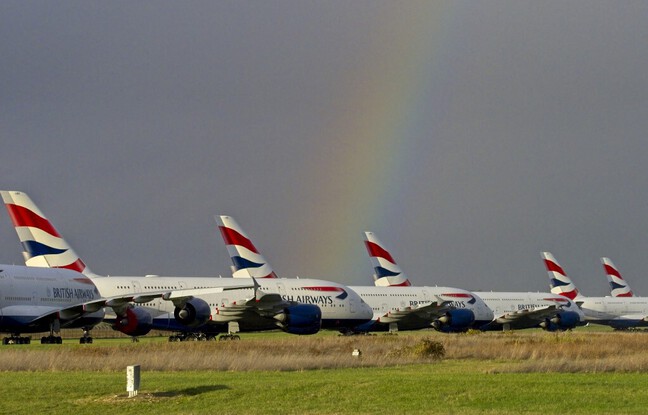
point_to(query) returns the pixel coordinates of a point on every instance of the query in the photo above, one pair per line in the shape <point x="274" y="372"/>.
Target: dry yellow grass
<point x="514" y="352"/>
<point x="555" y="352"/>
<point x="285" y="353"/>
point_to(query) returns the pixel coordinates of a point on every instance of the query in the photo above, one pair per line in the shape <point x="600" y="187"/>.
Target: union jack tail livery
<point x="559" y="282"/>
<point x="43" y="246"/>
<point x="618" y="285"/>
<point x="247" y="260"/>
<point x="387" y="272"/>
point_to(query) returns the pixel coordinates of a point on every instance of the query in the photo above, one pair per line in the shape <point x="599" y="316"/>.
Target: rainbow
<point x="367" y="156"/>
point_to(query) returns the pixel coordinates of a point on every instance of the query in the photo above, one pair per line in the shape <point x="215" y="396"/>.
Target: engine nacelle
<point x="459" y="319"/>
<point x="300" y="319"/>
<point x="565" y="320"/>
<point x="194" y="313"/>
<point x="135" y="322"/>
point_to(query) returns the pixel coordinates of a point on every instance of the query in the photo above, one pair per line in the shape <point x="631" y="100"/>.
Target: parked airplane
<point x="35" y="300"/>
<point x="617" y="312"/>
<point x="342" y="308"/>
<point x="183" y="304"/>
<point x="510" y="310"/>
<point x="405" y="308"/>
<point x="619" y="287"/>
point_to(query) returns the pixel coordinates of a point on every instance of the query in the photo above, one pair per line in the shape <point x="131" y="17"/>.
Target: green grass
<point x="531" y="372"/>
<point x="460" y="387"/>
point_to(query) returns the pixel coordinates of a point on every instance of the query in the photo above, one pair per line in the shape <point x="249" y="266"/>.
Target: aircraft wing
<point x="178" y="297"/>
<point x="426" y="312"/>
<point x="262" y="304"/>
<point x="38" y="315"/>
<point x="526" y="317"/>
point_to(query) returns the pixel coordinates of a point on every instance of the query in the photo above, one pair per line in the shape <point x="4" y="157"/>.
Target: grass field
<point x="526" y="372"/>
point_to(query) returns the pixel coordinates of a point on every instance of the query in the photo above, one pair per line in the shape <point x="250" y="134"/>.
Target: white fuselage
<point x="505" y="305"/>
<point x="31" y="298"/>
<point x="393" y="299"/>
<point x="617" y="312"/>
<point x="340" y="306"/>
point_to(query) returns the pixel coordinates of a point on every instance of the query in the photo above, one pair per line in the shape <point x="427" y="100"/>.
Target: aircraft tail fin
<point x="559" y="282"/>
<point x="43" y="246"/>
<point x="387" y="272"/>
<point x="619" y="287"/>
<point x="247" y="260"/>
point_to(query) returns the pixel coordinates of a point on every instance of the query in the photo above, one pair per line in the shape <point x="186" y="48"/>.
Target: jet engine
<point x="565" y="320"/>
<point x="300" y="319"/>
<point x="459" y="319"/>
<point x="135" y="322"/>
<point x="193" y="313"/>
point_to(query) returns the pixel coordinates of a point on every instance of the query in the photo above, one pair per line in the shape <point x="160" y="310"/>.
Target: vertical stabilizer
<point x="247" y="260"/>
<point x="619" y="287"/>
<point x="559" y="282"/>
<point x="386" y="272"/>
<point x="43" y="245"/>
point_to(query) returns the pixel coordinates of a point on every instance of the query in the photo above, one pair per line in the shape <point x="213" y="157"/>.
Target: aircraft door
<point x="137" y="288"/>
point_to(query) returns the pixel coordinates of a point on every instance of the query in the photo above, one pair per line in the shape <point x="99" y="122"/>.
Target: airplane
<point x="619" y="287"/>
<point x="35" y="300"/>
<point x="617" y="312"/>
<point x="249" y="263"/>
<point x="406" y="308"/>
<point x="509" y="310"/>
<point x="192" y="307"/>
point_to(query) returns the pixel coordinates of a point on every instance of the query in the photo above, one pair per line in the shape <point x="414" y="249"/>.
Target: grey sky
<point x="469" y="136"/>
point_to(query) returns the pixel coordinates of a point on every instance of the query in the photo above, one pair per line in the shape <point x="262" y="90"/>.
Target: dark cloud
<point x="132" y="124"/>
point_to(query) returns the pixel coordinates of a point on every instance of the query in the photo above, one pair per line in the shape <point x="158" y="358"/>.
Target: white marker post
<point x="132" y="380"/>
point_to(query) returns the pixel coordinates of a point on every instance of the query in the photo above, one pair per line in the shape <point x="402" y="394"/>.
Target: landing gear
<point x="86" y="339"/>
<point x="349" y="332"/>
<point x="229" y="336"/>
<point x="232" y="329"/>
<point x="55" y="327"/>
<point x="51" y="339"/>
<point x="191" y="336"/>
<point x="16" y="339"/>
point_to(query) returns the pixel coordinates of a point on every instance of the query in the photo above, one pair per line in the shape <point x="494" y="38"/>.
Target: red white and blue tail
<point x="247" y="260"/>
<point x="43" y="246"/>
<point x="559" y="282"/>
<point x="618" y="285"/>
<point x="387" y="272"/>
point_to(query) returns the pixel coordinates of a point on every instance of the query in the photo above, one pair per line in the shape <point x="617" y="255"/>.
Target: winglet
<point x="256" y="288"/>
